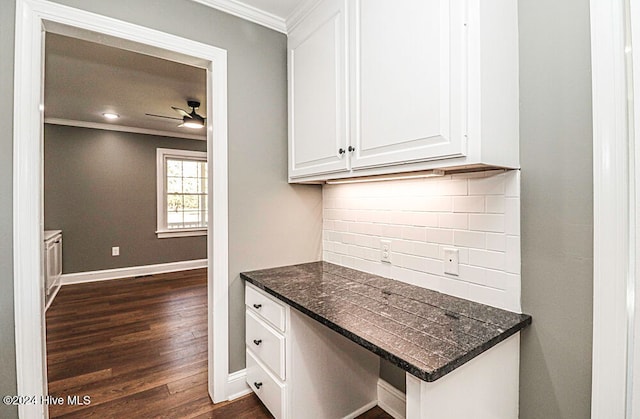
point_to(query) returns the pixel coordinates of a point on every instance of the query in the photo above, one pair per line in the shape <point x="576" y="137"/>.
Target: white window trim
<point x="162" y="154"/>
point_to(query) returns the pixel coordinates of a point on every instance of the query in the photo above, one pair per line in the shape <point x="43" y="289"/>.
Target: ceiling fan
<point x="189" y="119"/>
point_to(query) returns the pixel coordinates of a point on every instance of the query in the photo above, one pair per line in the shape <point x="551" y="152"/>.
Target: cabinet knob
<point x="258" y="385"/>
<point x="351" y="149"/>
<point x="257" y="342"/>
<point x="341" y="151"/>
<point x="257" y="306"/>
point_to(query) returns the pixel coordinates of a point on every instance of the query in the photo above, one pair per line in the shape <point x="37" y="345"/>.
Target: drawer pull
<point x="258" y="385"/>
<point x="257" y="341"/>
<point x="257" y="306"/>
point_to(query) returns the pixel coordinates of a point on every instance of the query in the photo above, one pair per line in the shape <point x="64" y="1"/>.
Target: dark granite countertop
<point x="424" y="332"/>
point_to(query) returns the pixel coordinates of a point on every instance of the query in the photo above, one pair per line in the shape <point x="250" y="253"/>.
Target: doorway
<point x="35" y="20"/>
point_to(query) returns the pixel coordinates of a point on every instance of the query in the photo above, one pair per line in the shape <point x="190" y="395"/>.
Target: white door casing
<point x="31" y="17"/>
<point x="614" y="209"/>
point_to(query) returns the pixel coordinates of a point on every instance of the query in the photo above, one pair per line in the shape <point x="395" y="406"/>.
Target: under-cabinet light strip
<point x="414" y="175"/>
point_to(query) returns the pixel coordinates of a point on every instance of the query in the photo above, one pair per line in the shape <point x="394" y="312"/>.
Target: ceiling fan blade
<point x="181" y="112"/>
<point x="162" y="116"/>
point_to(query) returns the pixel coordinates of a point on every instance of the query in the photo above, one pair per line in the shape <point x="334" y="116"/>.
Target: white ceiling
<point x="84" y="79"/>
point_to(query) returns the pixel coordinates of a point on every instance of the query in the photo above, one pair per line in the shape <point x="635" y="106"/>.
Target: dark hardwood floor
<point x="138" y="348"/>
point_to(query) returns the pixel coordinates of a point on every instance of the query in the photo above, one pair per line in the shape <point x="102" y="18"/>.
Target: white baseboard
<point x="81" y="277"/>
<point x="237" y="385"/>
<point x="391" y="400"/>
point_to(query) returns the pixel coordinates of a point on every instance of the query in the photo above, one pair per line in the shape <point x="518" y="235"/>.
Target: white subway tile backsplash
<point x="424" y="219"/>
<point x="439" y="235"/>
<point x="478" y="213"/>
<point x="492" y="185"/>
<point x="513" y="254"/>
<point x="414" y="233"/>
<point x="392" y="230"/>
<point x="427" y="250"/>
<point x="457" y="221"/>
<point x="487" y="222"/>
<point x="512" y="184"/>
<point x="473" y="274"/>
<point x="496" y="241"/>
<point x="455" y="287"/>
<point x="470" y="239"/>
<point x="495" y="204"/>
<point x="487" y="259"/>
<point x="341" y="226"/>
<point x="435" y="204"/>
<point x="468" y="204"/>
<point x="512" y="216"/>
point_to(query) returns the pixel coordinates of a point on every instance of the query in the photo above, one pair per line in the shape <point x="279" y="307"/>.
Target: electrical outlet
<point x="385" y="251"/>
<point x="452" y="261"/>
<point x="115" y="251"/>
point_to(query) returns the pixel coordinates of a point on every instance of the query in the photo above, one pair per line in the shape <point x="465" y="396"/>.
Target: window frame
<point x="162" y="154"/>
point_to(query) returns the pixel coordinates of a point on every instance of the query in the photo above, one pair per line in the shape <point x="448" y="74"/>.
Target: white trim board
<point x="129" y="272"/>
<point x="122" y="128"/>
<point x="612" y="254"/>
<point x="31" y="17"/>
<point x="246" y="12"/>
<point x="391" y="400"/>
<point x="237" y="385"/>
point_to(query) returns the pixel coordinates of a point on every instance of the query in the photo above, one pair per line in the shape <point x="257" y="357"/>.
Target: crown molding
<point x="122" y="128"/>
<point x="247" y="12"/>
<point x="299" y="13"/>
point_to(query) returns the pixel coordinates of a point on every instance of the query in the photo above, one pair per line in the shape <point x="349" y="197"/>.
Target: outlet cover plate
<point x="385" y="251"/>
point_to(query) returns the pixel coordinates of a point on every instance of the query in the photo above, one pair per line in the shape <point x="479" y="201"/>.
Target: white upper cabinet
<point x="317" y="92"/>
<point x="403" y="86"/>
<point x="407" y="81"/>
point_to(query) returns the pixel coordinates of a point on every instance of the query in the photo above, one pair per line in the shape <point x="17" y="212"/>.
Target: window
<point x="182" y="193"/>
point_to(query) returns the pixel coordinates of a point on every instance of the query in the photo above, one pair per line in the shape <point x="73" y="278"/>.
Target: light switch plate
<point x="451" y="261"/>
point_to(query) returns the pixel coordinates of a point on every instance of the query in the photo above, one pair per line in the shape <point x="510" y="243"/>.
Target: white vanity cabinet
<point x="431" y="84"/>
<point x="299" y="368"/>
<point x="52" y="264"/>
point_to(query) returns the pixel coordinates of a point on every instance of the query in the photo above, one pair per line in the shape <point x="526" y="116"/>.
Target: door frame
<point x="614" y="211"/>
<point x="33" y="18"/>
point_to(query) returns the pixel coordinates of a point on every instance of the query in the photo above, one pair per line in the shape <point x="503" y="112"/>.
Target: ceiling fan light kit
<point x="189" y="119"/>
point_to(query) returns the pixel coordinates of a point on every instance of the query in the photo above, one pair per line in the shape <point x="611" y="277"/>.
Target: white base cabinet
<point x="323" y="375"/>
<point x="378" y="87"/>
<point x="484" y="388"/>
<point x="52" y="265"/>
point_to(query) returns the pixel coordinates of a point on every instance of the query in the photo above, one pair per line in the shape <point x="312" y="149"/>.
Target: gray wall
<point x="557" y="208"/>
<point x="7" y="339"/>
<point x="100" y="190"/>
<point x="271" y="223"/>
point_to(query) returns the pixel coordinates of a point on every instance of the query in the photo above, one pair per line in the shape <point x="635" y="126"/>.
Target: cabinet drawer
<point x="266" y="344"/>
<point x="270" y="391"/>
<point x="270" y="310"/>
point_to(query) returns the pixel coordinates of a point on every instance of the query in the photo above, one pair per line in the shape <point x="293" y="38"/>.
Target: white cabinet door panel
<point x="407" y="63"/>
<point x="317" y="94"/>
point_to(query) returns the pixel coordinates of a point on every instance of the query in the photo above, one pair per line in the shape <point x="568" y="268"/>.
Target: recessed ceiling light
<point x="110" y="115"/>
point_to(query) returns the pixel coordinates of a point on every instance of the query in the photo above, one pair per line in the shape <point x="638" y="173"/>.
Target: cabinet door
<point x="317" y="92"/>
<point x="408" y="72"/>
